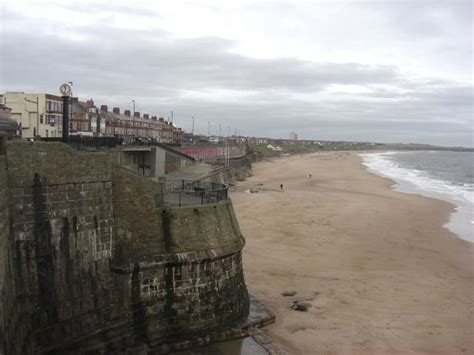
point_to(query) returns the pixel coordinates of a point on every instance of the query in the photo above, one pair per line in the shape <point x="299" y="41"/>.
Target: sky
<point x="384" y="71"/>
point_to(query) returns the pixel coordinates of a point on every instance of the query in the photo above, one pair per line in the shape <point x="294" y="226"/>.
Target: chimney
<point x="116" y="110"/>
<point x="162" y="119"/>
<point x="127" y="113"/>
<point x="153" y="118"/>
<point x="104" y="108"/>
<point x="146" y="116"/>
<point x="136" y="114"/>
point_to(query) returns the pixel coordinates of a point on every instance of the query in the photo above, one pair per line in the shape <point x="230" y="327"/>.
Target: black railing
<point x="87" y="142"/>
<point x="194" y="192"/>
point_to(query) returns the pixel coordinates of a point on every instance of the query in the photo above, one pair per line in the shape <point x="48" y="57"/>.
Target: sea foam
<point x="417" y="181"/>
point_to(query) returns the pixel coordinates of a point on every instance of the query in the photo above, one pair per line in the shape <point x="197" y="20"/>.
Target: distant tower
<point x="293" y="136"/>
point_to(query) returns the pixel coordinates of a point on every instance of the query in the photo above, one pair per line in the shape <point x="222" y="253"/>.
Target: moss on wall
<point x="90" y="263"/>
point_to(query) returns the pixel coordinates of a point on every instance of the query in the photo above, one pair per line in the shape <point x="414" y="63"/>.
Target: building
<point x="8" y="127"/>
<point x="128" y="126"/>
<point x="37" y="114"/>
<point x="84" y="119"/>
<point x="41" y="115"/>
<point x="293" y="136"/>
<point x="125" y="125"/>
<point x="4" y="109"/>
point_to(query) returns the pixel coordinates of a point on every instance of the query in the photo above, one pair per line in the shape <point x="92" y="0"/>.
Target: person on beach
<point x="310" y="176"/>
<point x="281" y="186"/>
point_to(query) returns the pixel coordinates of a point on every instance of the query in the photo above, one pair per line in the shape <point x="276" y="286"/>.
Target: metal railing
<point x="87" y="142"/>
<point x="194" y="192"/>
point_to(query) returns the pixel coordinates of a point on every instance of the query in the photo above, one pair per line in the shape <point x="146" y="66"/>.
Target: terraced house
<point x="41" y="115"/>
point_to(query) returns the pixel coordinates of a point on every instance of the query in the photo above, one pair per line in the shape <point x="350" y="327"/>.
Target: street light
<point x="171" y="116"/>
<point x="208" y="128"/>
<point x="133" y="115"/>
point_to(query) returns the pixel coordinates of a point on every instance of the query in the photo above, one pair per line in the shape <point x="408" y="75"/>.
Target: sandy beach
<point x="380" y="271"/>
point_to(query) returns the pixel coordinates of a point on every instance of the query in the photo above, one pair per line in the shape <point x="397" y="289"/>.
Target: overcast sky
<point x="387" y="71"/>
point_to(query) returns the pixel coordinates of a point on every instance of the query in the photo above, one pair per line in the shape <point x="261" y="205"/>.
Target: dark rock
<point x="300" y="305"/>
<point x="288" y="293"/>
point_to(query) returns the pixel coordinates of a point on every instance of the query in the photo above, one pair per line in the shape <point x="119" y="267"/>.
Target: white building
<point x="293" y="136"/>
<point x="37" y="114"/>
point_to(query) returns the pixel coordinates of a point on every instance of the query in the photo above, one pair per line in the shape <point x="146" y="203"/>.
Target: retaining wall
<point x="90" y="263"/>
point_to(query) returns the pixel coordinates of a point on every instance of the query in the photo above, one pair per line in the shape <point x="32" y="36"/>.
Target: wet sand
<point x="381" y="272"/>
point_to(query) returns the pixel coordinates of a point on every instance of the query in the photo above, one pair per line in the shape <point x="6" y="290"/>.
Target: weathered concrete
<point x="90" y="263"/>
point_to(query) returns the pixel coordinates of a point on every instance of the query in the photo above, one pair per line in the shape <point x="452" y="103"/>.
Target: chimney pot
<point x="146" y="116"/>
<point x="127" y="113"/>
<point x="136" y="114"/>
<point x="116" y="110"/>
<point x="104" y="108"/>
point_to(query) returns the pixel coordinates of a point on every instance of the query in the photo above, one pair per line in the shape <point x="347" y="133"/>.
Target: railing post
<point x="202" y="198"/>
<point x="182" y="184"/>
<point x="179" y="199"/>
<point x="217" y="196"/>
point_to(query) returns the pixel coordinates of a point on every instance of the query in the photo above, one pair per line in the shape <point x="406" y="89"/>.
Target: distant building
<point x="293" y="136"/>
<point x="41" y="115"/>
<point x="4" y="109"/>
<point x="8" y="127"/>
<point x="36" y="114"/>
<point x="132" y="126"/>
<point x="83" y="118"/>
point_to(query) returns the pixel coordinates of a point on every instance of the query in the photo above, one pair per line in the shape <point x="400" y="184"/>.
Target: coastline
<point x="381" y="272"/>
<point x="416" y="182"/>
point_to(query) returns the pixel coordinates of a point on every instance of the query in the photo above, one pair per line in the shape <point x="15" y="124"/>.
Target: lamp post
<point x="208" y="128"/>
<point x="133" y="111"/>
<point x="171" y="116"/>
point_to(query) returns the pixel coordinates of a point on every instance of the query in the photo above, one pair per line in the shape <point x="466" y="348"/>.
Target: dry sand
<point x="382" y="273"/>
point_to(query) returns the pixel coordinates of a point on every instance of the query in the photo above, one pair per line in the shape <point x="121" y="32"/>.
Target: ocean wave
<point x="417" y="181"/>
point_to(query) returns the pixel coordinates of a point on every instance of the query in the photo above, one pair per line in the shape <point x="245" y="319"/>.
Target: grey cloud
<point x="114" y="65"/>
<point x="151" y="58"/>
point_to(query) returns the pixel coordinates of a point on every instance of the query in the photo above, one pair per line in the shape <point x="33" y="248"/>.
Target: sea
<point x="443" y="175"/>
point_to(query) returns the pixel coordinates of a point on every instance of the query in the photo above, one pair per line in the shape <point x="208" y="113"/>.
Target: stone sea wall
<point x="61" y="231"/>
<point x="90" y="263"/>
<point x="8" y="312"/>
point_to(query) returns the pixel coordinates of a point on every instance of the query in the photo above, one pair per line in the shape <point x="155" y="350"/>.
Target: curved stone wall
<point x="91" y="264"/>
<point x="183" y="265"/>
